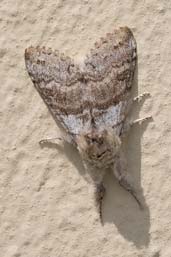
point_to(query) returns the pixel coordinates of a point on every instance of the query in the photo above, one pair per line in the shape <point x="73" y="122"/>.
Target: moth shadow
<point x="119" y="207"/>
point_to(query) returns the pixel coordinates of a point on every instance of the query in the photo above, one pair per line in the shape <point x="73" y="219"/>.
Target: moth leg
<point x="132" y="101"/>
<point x="64" y="138"/>
<point x="100" y="192"/>
<point x="140" y="121"/>
<point x="139" y="97"/>
<point x="120" y="174"/>
<point x="55" y="140"/>
<point x="129" y="124"/>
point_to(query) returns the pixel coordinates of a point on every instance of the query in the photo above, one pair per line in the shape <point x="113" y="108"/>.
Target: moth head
<point x="98" y="148"/>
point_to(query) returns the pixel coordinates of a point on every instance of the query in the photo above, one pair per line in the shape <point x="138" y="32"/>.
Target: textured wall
<point x="47" y="208"/>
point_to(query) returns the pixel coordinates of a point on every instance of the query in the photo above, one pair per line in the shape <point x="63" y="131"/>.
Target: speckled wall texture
<point x="47" y="208"/>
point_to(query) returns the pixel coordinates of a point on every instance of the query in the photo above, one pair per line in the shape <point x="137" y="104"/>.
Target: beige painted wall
<point x="47" y="208"/>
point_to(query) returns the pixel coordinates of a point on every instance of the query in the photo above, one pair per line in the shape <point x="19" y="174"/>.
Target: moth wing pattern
<point x="56" y="78"/>
<point x="98" y="90"/>
<point x="110" y="67"/>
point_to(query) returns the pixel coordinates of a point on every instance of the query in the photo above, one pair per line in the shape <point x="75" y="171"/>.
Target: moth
<point x="91" y="101"/>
